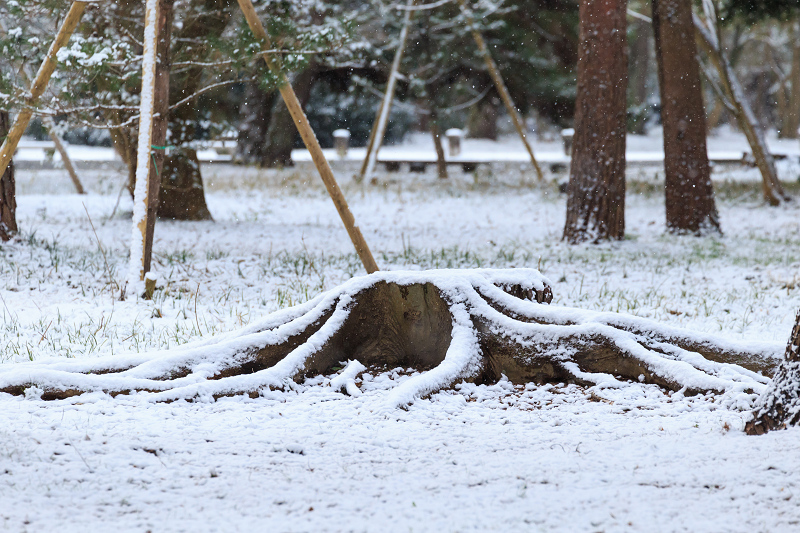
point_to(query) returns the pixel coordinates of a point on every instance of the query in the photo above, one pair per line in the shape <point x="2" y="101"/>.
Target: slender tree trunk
<point x="689" y="194"/>
<point x="779" y="406"/>
<point x="436" y="132"/>
<point x="282" y="133"/>
<point x="596" y="191"/>
<point x="8" y="200"/>
<point x="638" y="73"/>
<point x="791" y="119"/>
<point x="254" y="118"/>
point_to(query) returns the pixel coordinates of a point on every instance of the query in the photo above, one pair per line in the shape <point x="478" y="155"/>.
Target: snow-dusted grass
<point x="475" y="458"/>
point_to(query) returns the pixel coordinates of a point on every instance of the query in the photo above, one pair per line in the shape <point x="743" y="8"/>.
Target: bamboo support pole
<point x="372" y="134"/>
<point x="310" y="139"/>
<point x="141" y="191"/>
<point x="40" y="83"/>
<point x="732" y="91"/>
<point x="494" y="72"/>
<point x="386" y="107"/>
<point x="62" y="151"/>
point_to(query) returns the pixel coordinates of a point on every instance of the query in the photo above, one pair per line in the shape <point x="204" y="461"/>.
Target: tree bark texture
<point x="482" y="121"/>
<point x="779" y="406"/>
<point x="690" y="201"/>
<point x="8" y="196"/>
<point x="789" y="96"/>
<point x="254" y="118"/>
<point x="282" y="132"/>
<point x="436" y="133"/>
<point x="596" y="190"/>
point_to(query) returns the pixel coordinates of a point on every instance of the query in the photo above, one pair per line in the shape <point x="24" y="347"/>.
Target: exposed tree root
<point x="779" y="406"/>
<point x="453" y="325"/>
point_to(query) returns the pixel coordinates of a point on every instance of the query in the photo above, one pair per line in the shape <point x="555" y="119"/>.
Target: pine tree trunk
<point x="482" y="122"/>
<point x="436" y="133"/>
<point x="791" y="119"/>
<point x="282" y="132"/>
<point x="254" y="118"/>
<point x="8" y="200"/>
<point x="779" y="406"/>
<point x="689" y="194"/>
<point x="182" y="196"/>
<point x="596" y="191"/>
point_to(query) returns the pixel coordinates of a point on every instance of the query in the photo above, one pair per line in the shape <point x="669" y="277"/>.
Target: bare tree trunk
<point x="282" y="132"/>
<point x="689" y="194"/>
<point x="638" y="76"/>
<point x="596" y="191"/>
<point x="436" y="132"/>
<point x="779" y="406"/>
<point x="254" y="118"/>
<point x="482" y="122"/>
<point x="791" y="119"/>
<point x="8" y="200"/>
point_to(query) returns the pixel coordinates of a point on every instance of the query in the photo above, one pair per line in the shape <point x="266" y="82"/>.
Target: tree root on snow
<point x="453" y="325"/>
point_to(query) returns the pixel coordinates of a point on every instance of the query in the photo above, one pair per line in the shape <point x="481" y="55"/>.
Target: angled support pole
<point x="494" y="72"/>
<point x="379" y="128"/>
<point x="309" y="138"/>
<point x="40" y="83"/>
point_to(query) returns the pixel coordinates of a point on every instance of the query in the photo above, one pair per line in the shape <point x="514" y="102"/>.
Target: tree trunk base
<point x="470" y="325"/>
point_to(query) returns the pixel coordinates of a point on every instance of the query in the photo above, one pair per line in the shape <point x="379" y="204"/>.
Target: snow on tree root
<point x="452" y="325"/>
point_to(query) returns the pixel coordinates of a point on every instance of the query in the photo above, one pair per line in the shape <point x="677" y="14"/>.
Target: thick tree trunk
<point x="254" y="118"/>
<point x="482" y="121"/>
<point x="596" y="191"/>
<point x="474" y="326"/>
<point x="8" y="193"/>
<point x="779" y="406"/>
<point x="689" y="194"/>
<point x="182" y="196"/>
<point x="282" y="132"/>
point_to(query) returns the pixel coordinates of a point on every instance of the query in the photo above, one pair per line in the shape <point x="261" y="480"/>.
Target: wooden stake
<point x="383" y="116"/>
<point x="40" y="84"/>
<point x="310" y="139"/>
<point x="50" y="125"/>
<point x="494" y="72"/>
<point x="160" y="124"/>
<point x="141" y="192"/>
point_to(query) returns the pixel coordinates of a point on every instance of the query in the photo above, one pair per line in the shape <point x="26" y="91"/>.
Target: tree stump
<point x="452" y="325"/>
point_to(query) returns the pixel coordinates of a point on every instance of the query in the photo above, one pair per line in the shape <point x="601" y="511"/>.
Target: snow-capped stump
<point x="452" y="325"/>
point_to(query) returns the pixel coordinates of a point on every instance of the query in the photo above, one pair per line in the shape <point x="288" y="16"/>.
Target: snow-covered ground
<point x="474" y="458"/>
